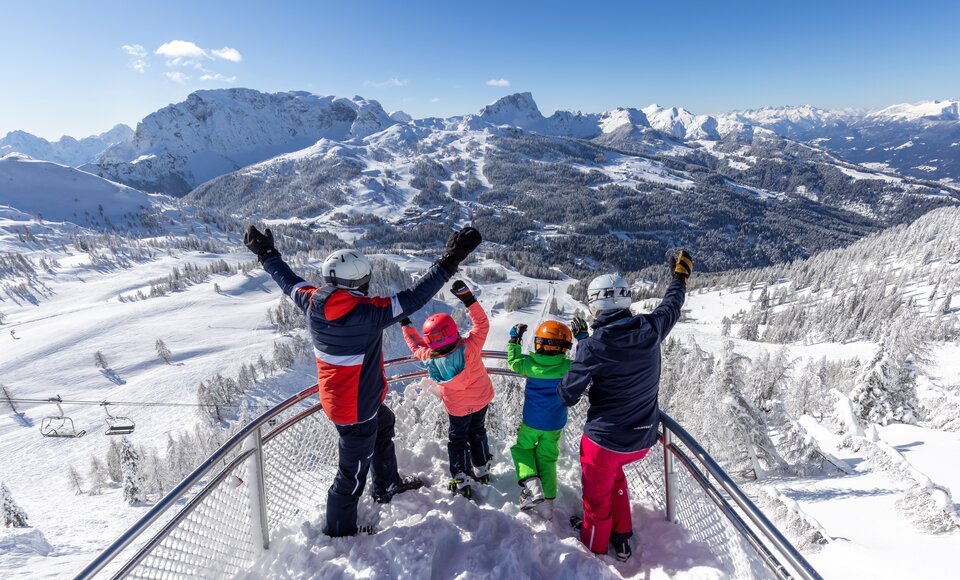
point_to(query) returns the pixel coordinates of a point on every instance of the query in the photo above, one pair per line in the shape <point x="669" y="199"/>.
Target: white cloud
<point x="138" y="56"/>
<point x="181" y="49"/>
<point x="394" y="82"/>
<point x="177" y="77"/>
<point x="435" y="100"/>
<point x="227" y="53"/>
<point x="498" y="83"/>
<point x="218" y="77"/>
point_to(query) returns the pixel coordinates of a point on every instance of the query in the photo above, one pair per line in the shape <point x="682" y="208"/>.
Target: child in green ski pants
<point x="544" y="415"/>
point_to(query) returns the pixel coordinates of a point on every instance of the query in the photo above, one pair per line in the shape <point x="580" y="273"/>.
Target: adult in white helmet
<point x="620" y="362"/>
<point x="347" y="326"/>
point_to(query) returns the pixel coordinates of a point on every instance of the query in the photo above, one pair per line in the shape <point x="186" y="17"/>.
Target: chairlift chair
<point x="59" y="425"/>
<point x="117" y="425"/>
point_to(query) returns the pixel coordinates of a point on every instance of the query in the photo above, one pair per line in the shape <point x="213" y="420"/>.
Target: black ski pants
<point x="468" y="442"/>
<point x="366" y="446"/>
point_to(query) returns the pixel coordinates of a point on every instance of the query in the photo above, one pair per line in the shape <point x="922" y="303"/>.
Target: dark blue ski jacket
<point x="347" y="332"/>
<point x="622" y="361"/>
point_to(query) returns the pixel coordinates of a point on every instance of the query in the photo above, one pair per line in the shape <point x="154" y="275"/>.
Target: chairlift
<point x="59" y="425"/>
<point x="117" y="425"/>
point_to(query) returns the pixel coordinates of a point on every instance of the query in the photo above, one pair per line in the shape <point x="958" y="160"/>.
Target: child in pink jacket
<point x="456" y="364"/>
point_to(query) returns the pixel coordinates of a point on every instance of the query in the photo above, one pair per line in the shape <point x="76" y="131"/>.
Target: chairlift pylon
<point x="117" y="425"/>
<point x="59" y="425"/>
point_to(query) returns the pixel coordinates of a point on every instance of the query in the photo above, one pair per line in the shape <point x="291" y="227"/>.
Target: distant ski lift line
<point x="128" y="403"/>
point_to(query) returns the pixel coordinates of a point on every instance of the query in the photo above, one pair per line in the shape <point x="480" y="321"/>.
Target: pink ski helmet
<point x="440" y="330"/>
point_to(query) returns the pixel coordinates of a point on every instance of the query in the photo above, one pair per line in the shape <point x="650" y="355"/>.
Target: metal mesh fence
<point x="216" y="539"/>
<point x="697" y="514"/>
<point x="218" y="535"/>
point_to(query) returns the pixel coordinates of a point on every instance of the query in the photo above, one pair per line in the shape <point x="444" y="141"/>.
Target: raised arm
<point x="409" y="301"/>
<point x="292" y="285"/>
<point x="666" y="315"/>
<point x="414" y="341"/>
<point x="516" y="360"/>
<point x="576" y="381"/>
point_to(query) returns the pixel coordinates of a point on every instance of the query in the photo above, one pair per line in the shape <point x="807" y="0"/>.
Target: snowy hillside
<point x="67" y="150"/>
<point x="218" y="131"/>
<point x="228" y="317"/>
<point x="59" y="193"/>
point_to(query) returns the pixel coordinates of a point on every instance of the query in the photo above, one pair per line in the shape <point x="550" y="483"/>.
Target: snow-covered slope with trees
<point x="67" y="150"/>
<point x="790" y="414"/>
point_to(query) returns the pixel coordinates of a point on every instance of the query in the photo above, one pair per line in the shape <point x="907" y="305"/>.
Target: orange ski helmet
<point x="552" y="337"/>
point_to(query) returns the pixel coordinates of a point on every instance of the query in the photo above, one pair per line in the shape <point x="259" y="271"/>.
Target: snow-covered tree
<point x="163" y="353"/>
<point x="283" y="355"/>
<point x="100" y="360"/>
<point x="887" y="391"/>
<point x="131" y="465"/>
<point x="114" y="471"/>
<point x="767" y="382"/>
<point x="74" y="481"/>
<point x="96" y="475"/>
<point x="13" y="514"/>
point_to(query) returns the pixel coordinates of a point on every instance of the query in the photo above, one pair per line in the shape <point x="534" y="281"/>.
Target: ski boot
<point x="460" y="485"/>
<point x="406" y="484"/>
<point x="621" y="548"/>
<point x="482" y="473"/>
<point x="532" y="493"/>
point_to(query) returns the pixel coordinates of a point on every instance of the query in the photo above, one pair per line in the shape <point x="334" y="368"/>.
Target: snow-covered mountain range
<point x="920" y="140"/>
<point x="66" y="150"/>
<point x="764" y="184"/>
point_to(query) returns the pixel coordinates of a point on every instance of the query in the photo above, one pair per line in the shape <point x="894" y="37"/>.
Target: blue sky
<point x="64" y="68"/>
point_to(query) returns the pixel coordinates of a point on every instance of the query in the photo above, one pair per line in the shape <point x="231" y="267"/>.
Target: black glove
<point x="579" y="328"/>
<point x="405" y="321"/>
<point x="516" y="333"/>
<point x="260" y="244"/>
<point x="458" y="248"/>
<point x="463" y="293"/>
<point x="682" y="266"/>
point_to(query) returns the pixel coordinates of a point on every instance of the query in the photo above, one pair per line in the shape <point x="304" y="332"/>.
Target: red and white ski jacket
<point x="347" y="332"/>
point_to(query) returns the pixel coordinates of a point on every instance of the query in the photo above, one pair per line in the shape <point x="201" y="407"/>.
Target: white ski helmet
<point x="608" y="292"/>
<point x="347" y="269"/>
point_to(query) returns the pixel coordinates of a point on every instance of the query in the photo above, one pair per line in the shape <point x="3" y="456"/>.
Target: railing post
<point x="669" y="475"/>
<point x="261" y="490"/>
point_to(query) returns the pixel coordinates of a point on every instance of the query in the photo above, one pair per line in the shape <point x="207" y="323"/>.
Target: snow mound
<point x="19" y="544"/>
<point x="61" y="193"/>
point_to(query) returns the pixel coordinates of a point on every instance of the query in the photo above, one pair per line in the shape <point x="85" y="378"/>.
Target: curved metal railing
<point x="271" y="468"/>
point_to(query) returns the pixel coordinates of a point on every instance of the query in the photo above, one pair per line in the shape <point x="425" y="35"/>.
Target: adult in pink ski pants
<point x="606" y="502"/>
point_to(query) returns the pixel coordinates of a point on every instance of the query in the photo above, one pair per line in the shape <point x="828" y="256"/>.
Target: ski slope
<point x="424" y="532"/>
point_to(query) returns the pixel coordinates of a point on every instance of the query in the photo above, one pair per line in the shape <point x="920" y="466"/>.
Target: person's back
<point x="620" y="363"/>
<point x="624" y="351"/>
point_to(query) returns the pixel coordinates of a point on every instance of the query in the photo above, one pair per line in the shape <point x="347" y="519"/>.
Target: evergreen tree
<point x="97" y="475"/>
<point x="13" y="514"/>
<point x="163" y="353"/>
<point x="114" y="470"/>
<point x="887" y="392"/>
<point x="131" y="465"/>
<point x="100" y="360"/>
<point x="74" y="481"/>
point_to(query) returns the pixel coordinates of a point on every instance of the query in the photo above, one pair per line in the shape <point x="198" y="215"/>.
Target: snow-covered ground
<point x="51" y="352"/>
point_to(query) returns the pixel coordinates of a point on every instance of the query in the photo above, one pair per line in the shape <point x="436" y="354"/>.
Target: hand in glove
<point x="579" y="328"/>
<point x="463" y="293"/>
<point x="516" y="333"/>
<point x="405" y="321"/>
<point x="682" y="266"/>
<point x="260" y="244"/>
<point x="458" y="248"/>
